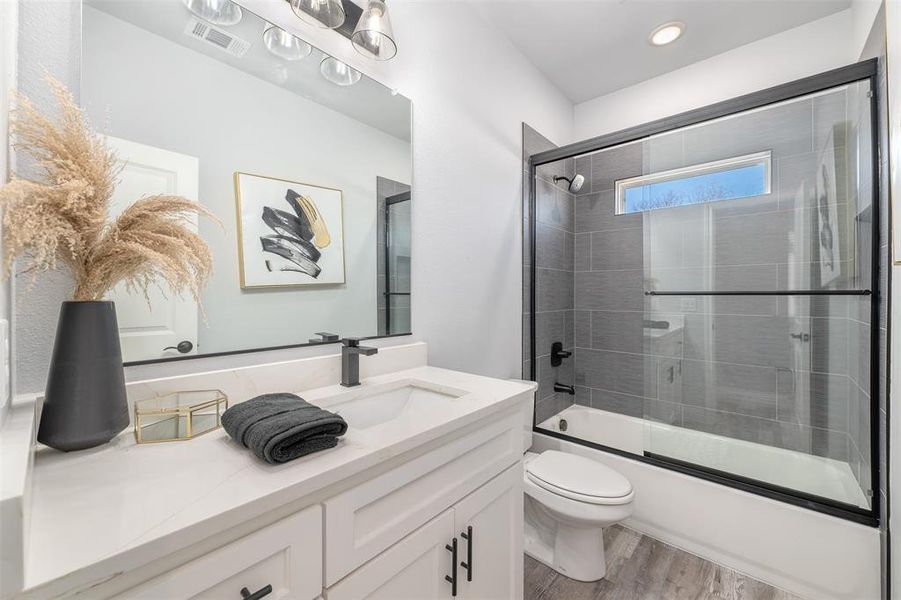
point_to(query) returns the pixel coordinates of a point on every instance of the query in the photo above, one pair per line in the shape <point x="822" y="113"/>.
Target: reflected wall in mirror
<point x="311" y="180"/>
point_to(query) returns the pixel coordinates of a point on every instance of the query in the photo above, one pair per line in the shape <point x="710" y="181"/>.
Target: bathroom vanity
<point x="422" y="495"/>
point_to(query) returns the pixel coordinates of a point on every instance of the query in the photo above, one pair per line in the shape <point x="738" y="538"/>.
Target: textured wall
<point x="9" y="22"/>
<point x="49" y="42"/>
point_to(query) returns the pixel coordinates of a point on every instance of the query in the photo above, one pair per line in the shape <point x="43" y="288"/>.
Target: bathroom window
<point x="739" y="177"/>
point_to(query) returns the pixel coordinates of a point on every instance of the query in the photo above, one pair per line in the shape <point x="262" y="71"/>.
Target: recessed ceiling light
<point x="666" y="33"/>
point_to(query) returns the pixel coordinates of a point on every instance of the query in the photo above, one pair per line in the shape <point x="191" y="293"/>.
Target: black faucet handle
<point x="352" y="342"/>
<point x="325" y="337"/>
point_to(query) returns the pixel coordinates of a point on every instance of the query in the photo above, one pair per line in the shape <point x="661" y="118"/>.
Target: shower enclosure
<point x="393" y="256"/>
<point x="707" y="300"/>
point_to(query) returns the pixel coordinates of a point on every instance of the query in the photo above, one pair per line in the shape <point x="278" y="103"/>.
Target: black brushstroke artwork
<point x="291" y="244"/>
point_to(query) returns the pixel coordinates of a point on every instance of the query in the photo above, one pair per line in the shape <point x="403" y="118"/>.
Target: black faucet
<point x="350" y="360"/>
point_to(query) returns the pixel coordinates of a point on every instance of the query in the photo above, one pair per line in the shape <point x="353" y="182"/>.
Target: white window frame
<point x="726" y="164"/>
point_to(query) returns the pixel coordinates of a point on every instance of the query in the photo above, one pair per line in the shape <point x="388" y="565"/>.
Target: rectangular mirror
<point x="310" y="179"/>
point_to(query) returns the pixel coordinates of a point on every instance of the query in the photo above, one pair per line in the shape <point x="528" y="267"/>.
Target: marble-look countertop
<point x="103" y="511"/>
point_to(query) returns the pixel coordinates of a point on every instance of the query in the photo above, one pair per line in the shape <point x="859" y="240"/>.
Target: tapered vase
<point x="85" y="403"/>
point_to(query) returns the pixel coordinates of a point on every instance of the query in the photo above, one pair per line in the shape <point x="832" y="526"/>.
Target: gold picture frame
<point x="316" y="205"/>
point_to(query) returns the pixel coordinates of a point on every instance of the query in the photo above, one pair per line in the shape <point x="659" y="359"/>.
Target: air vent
<point x="217" y="37"/>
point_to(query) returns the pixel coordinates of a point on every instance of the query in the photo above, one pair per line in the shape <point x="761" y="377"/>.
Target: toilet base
<point x="579" y="553"/>
<point x="576" y="552"/>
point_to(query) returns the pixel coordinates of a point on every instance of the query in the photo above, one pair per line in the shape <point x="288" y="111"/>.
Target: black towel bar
<point x="763" y="293"/>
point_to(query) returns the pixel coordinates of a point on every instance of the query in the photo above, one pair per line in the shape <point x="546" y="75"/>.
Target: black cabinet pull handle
<point x="467" y="535"/>
<point x="246" y="595"/>
<point x="452" y="578"/>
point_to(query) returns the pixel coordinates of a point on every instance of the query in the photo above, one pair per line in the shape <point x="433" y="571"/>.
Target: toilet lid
<point x="576" y="476"/>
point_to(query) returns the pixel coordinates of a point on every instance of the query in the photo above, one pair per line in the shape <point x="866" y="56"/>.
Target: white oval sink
<point x="369" y="408"/>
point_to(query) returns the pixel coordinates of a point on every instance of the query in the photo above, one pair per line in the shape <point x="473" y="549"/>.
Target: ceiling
<point x="367" y="101"/>
<point x="589" y="48"/>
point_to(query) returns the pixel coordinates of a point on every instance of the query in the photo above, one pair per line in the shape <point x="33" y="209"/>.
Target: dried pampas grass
<point x="64" y="217"/>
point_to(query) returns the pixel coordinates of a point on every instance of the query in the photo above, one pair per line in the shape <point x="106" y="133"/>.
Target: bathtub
<point x="811" y="554"/>
<point x="791" y="469"/>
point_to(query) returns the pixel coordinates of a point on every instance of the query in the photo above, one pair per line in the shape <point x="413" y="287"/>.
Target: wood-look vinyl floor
<point x="642" y="568"/>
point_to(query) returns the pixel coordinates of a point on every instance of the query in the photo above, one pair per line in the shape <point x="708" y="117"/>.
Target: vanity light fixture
<point x="338" y="73"/>
<point x="284" y="45"/>
<point x="373" y="36"/>
<point x="217" y="12"/>
<point x="667" y="33"/>
<point x="328" y="14"/>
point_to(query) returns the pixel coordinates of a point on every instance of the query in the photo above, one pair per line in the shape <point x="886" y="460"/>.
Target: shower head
<point x="575" y="184"/>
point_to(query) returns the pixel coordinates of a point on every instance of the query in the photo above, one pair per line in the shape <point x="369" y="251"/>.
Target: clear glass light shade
<point x="321" y="13"/>
<point x="373" y="36"/>
<point x="284" y="45"/>
<point x="337" y="72"/>
<point x="217" y="12"/>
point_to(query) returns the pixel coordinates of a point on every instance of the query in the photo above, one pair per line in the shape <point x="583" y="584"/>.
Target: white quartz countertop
<point x="102" y="511"/>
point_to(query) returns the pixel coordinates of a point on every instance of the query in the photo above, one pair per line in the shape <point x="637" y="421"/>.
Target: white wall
<point x="9" y="21"/>
<point x="893" y="37"/>
<point x="806" y="50"/>
<point x="235" y="121"/>
<point x="49" y="42"/>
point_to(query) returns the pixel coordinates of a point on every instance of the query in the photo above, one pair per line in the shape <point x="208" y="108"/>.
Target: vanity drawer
<point x="286" y="555"/>
<point x="365" y="520"/>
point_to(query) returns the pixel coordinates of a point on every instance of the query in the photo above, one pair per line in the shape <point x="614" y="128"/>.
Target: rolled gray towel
<point x="281" y="427"/>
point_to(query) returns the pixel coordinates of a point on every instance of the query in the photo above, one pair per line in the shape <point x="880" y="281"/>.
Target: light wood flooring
<point x="642" y="568"/>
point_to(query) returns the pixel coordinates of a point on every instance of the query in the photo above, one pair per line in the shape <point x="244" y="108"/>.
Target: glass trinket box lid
<point x="179" y="416"/>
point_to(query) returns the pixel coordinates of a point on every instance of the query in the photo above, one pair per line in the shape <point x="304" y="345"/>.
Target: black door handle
<point x="325" y="337"/>
<point x="467" y="535"/>
<point x="183" y="347"/>
<point x="246" y="595"/>
<point x="452" y="578"/>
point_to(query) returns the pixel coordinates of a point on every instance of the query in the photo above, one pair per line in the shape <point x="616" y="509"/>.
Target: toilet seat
<point x="578" y="478"/>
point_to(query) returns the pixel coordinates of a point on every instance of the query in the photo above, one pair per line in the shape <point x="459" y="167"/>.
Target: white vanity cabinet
<point x="430" y="456"/>
<point x="492" y="520"/>
<point x="472" y="551"/>
<point x="286" y="556"/>
<point x="367" y="519"/>
<point x="444" y="522"/>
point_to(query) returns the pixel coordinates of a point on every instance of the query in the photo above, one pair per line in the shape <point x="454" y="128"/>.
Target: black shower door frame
<point x="389" y="295"/>
<point x="862" y="71"/>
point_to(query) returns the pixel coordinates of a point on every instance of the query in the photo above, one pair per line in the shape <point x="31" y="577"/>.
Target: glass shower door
<point x="765" y="290"/>
<point x="397" y="268"/>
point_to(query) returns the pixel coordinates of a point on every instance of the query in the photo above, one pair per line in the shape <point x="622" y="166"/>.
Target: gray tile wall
<point x="728" y="365"/>
<point x="554" y="255"/>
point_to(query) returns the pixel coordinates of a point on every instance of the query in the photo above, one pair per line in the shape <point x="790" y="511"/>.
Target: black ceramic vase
<point x="84" y="403"/>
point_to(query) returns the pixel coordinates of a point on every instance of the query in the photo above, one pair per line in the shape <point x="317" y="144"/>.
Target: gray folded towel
<point x="281" y="427"/>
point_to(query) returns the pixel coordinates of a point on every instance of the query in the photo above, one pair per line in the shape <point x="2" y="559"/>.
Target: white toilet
<point x="569" y="499"/>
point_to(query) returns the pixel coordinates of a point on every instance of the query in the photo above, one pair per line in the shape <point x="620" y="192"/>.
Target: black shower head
<point x="575" y="184"/>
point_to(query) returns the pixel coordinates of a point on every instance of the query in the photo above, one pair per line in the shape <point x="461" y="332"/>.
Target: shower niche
<point x="715" y="277"/>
